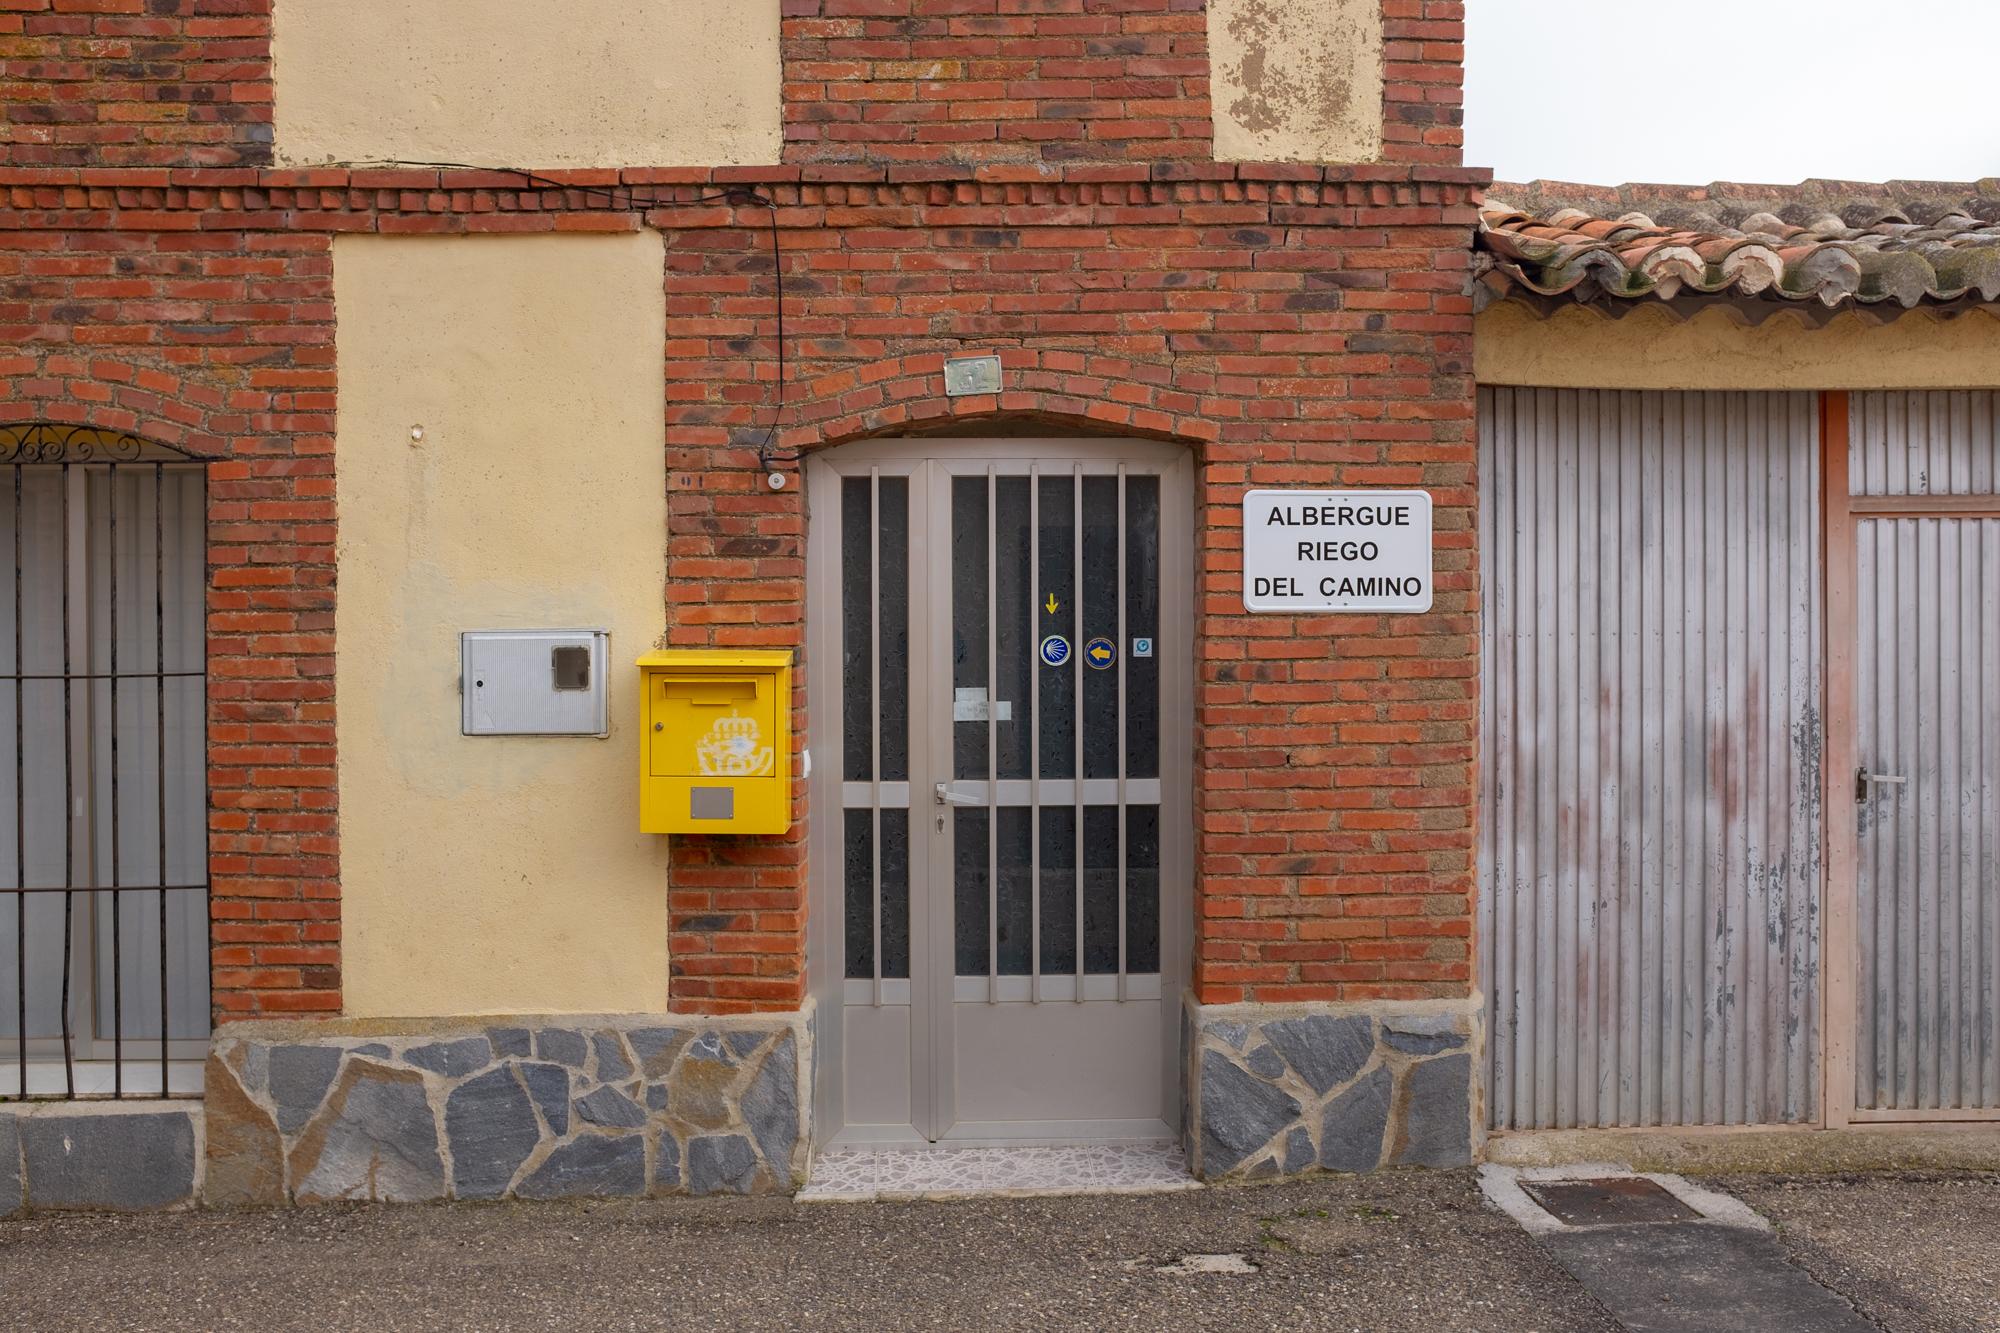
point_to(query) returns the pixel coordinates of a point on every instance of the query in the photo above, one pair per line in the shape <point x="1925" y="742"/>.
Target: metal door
<point x="1650" y="781"/>
<point x="1005" y="627"/>
<point x="1924" y="471"/>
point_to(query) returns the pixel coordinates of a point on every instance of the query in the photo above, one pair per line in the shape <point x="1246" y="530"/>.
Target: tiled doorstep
<point x="860" y="1175"/>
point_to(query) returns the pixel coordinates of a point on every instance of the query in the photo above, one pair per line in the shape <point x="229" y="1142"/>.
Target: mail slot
<point x="718" y="747"/>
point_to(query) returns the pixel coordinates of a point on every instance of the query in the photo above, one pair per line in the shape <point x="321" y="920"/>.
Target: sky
<point x="1693" y="91"/>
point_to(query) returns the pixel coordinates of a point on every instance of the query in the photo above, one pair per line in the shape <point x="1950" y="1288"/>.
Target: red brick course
<point x="135" y="82"/>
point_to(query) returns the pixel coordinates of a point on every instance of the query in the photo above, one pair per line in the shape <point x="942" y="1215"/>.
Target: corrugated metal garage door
<point x="1927" y="731"/>
<point x="1650" y="856"/>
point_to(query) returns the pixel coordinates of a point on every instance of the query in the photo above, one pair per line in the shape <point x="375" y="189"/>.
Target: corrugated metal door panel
<point x="1650" y="846"/>
<point x="1927" y="852"/>
<point x="1941" y="442"/>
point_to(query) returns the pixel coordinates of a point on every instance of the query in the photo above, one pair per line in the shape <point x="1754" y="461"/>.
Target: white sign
<point x="1337" y="551"/>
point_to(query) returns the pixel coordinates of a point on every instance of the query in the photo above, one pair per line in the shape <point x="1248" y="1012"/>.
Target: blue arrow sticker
<point x="1055" y="650"/>
<point x="1100" y="653"/>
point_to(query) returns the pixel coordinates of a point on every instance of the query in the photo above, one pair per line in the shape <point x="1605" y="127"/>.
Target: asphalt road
<point x="1395" y="1251"/>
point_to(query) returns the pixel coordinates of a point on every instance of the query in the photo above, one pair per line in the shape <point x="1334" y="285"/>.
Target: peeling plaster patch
<point x="1297" y="80"/>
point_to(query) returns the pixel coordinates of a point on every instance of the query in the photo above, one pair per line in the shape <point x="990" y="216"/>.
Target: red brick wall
<point x="994" y="81"/>
<point x="220" y="343"/>
<point x="972" y="81"/>
<point x="135" y="82"/>
<point x="1295" y="326"/>
<point x="1293" y="331"/>
<point x="1423" y="101"/>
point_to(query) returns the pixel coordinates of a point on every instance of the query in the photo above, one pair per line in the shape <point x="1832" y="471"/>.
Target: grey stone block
<point x="511" y="1042"/>
<point x="562" y="1045"/>
<point x="10" y="1164"/>
<point x="657" y="1047"/>
<point x="1325" y="1050"/>
<point x="300" y="1076"/>
<point x="699" y="1092"/>
<point x="1423" y="1034"/>
<point x="610" y="1108"/>
<point x="611" y="1062"/>
<point x="549" y="1086"/>
<point x="121" y="1161"/>
<point x="666" y="1164"/>
<point x="1239" y="1113"/>
<point x="1352" y="1126"/>
<point x="719" y="1163"/>
<point x="491" y="1126"/>
<point x="594" y="1164"/>
<point x="1232" y="1032"/>
<point x="656" y="1096"/>
<point x="1265" y="1062"/>
<point x="743" y="1043"/>
<point x="1412" y="1044"/>
<point x="245" y="1153"/>
<point x="374" y="1050"/>
<point x="1298" y="1150"/>
<point x="1437" y="1121"/>
<point x="453" y="1059"/>
<point x="771" y="1107"/>
<point x="376" y="1140"/>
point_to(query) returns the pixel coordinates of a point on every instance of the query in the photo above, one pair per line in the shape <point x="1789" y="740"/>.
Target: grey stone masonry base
<point x="126" y="1156"/>
<point x="1286" y="1089"/>
<point x="532" y="1108"/>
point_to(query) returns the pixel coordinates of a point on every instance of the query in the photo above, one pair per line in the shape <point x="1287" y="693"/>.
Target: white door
<point x="1005" y="627"/>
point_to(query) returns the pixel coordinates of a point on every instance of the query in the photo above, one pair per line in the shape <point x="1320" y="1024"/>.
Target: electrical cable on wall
<point x="630" y="199"/>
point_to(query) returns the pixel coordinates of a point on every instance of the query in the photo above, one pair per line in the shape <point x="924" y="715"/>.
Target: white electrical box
<point x="546" y="682"/>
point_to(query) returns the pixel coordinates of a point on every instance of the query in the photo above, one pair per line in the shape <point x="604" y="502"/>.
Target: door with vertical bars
<point x="103" y="804"/>
<point x="1005" y="628"/>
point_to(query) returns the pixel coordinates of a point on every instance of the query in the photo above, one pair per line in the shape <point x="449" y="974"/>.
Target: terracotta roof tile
<point x="1830" y="244"/>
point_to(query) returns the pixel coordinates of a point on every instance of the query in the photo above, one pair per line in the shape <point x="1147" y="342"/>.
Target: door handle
<point x="1864" y="781"/>
<point x="946" y="796"/>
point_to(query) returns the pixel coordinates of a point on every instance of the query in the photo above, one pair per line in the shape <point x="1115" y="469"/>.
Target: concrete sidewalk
<point x="1416" y="1251"/>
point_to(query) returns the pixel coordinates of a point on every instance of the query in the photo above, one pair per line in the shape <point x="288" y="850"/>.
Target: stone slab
<point x="1696" y="1277"/>
<point x="124" y="1161"/>
<point x="10" y="1164"/>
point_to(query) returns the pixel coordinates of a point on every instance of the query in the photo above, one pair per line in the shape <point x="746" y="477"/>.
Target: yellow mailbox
<point x="718" y="750"/>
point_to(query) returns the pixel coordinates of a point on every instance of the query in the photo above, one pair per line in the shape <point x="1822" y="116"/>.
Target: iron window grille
<point x="103" y="686"/>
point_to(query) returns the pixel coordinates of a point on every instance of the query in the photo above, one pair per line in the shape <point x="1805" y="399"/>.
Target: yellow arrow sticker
<point x="1052" y="603"/>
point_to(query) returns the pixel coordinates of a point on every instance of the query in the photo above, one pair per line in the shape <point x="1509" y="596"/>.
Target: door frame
<point x="821" y="681"/>
<point x="1840" y="940"/>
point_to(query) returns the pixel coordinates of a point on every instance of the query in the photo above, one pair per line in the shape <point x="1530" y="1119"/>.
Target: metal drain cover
<point x="1608" y="1201"/>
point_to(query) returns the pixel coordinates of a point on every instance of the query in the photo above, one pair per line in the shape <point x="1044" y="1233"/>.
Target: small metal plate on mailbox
<point x="712" y="802"/>
<point x="971" y="375"/>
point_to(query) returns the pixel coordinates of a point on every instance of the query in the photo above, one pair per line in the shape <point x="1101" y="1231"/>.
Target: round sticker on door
<point x="1055" y="650"/>
<point x="1100" y="653"/>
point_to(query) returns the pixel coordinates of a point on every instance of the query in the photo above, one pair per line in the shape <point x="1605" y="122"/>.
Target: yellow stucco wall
<point x="1296" y="80"/>
<point x="495" y="874"/>
<point x="528" y="83"/>
<point x="1649" y="349"/>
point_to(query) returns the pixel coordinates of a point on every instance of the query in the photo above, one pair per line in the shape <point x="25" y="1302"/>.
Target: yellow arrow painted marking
<point x="1052" y="603"/>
